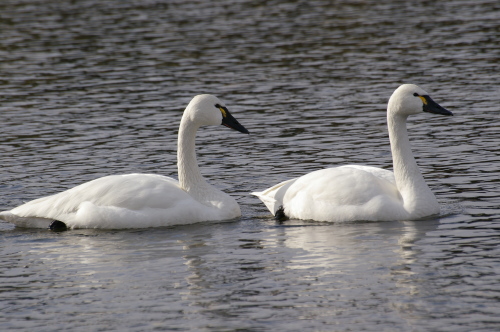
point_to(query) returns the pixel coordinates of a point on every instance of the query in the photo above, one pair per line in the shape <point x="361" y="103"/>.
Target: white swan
<point x="350" y="193"/>
<point x="142" y="200"/>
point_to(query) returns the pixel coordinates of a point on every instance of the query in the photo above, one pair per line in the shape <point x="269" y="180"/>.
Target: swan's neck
<point x="417" y="197"/>
<point x="190" y="177"/>
<point x="191" y="180"/>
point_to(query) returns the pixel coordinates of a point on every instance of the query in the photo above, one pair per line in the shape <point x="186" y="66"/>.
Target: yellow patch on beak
<point x="223" y="112"/>
<point x="423" y="100"/>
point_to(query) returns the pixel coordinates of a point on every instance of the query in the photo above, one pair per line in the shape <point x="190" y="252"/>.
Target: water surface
<point x="92" y="88"/>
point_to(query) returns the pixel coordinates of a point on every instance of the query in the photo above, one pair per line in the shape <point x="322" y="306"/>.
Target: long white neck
<point x="418" y="199"/>
<point x="190" y="177"/>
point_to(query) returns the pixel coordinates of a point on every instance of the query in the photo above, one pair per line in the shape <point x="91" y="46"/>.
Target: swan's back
<point x="345" y="193"/>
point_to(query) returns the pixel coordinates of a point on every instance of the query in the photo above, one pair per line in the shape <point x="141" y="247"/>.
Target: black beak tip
<point x="446" y="112"/>
<point x="243" y="130"/>
<point x="237" y="127"/>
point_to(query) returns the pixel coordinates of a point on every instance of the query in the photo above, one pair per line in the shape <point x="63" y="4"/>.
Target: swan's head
<point x="410" y="99"/>
<point x="208" y="110"/>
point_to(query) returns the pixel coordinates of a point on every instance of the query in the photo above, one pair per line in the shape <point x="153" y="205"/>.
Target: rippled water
<point x="91" y="88"/>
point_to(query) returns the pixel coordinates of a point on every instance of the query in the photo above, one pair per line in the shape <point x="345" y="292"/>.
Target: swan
<point x="142" y="200"/>
<point x="364" y="193"/>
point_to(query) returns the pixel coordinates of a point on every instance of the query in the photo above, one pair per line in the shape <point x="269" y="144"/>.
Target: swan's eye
<point x="415" y="94"/>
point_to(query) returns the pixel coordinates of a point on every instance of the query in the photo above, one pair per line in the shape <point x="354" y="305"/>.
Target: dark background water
<point x="92" y="88"/>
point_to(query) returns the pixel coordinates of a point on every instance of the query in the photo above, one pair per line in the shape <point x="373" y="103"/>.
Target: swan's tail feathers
<point x="25" y="222"/>
<point x="269" y="201"/>
<point x="273" y="197"/>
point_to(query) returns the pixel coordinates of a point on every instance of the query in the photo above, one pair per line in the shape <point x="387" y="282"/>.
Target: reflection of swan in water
<point x="405" y="271"/>
<point x="142" y="200"/>
<point x="412" y="232"/>
<point x="352" y="192"/>
<point x="132" y="257"/>
<point x="409" y="235"/>
<point x="358" y="264"/>
<point x="355" y="246"/>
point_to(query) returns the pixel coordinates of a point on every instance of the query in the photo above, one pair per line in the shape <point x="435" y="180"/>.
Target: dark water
<point x="91" y="88"/>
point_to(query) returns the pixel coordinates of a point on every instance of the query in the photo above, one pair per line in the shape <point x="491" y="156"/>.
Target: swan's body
<point x="142" y="200"/>
<point x="350" y="193"/>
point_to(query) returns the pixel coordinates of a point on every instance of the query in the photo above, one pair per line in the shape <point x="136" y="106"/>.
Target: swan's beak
<point x="229" y="121"/>
<point x="431" y="106"/>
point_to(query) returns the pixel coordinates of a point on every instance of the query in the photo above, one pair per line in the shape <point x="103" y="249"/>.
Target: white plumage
<point x="350" y="193"/>
<point x="142" y="200"/>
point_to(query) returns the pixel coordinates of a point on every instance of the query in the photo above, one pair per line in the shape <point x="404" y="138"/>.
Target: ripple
<point x="93" y="88"/>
